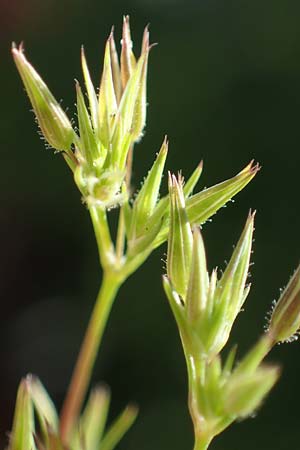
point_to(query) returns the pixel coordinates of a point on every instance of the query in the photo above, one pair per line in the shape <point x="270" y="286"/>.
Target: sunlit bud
<point x="139" y="116"/>
<point x="92" y="96"/>
<point x="107" y="98"/>
<point x="54" y="124"/>
<point x="115" y="67"/>
<point x="244" y="393"/>
<point x="128" y="61"/>
<point x="132" y="109"/>
<point x="285" y="318"/>
<point x="87" y="143"/>
<point x="180" y="239"/>
<point x="231" y="291"/>
<point x="196" y="297"/>
<point x="145" y="224"/>
<point x="23" y="423"/>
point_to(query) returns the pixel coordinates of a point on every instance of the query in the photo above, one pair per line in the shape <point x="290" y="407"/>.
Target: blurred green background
<point x="224" y="84"/>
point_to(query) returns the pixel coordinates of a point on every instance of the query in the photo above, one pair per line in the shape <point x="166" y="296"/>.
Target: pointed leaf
<point x="193" y="180"/>
<point x="204" y="204"/>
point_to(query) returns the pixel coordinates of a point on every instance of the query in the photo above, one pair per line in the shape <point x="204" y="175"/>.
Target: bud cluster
<point x="113" y="121"/>
<point x="205" y="308"/>
<point x="89" y="433"/>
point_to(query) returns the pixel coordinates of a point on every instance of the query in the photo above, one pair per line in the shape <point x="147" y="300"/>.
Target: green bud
<point x="107" y="99"/>
<point x="231" y="291"/>
<point x="196" y="297"/>
<point x="244" y="393"/>
<point x="180" y="239"/>
<point x="92" y="96"/>
<point x="132" y="109"/>
<point x="54" y="124"/>
<point x="142" y="226"/>
<point x="128" y="61"/>
<point x="115" y="68"/>
<point x="23" y="423"/>
<point x="285" y="319"/>
<point x="87" y="144"/>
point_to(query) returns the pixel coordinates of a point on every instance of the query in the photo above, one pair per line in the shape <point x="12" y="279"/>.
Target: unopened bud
<point x="180" y="239"/>
<point x="128" y="61"/>
<point x="54" y="124"/>
<point x="245" y="392"/>
<point x="23" y="423"/>
<point x="285" y="318"/>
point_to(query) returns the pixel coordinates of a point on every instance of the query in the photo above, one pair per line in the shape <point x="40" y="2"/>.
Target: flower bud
<point x="107" y="99"/>
<point x="244" y="393"/>
<point x="196" y="297"/>
<point x="128" y="61"/>
<point x="54" y="124"/>
<point x="285" y="318"/>
<point x="180" y="239"/>
<point x="145" y="222"/>
<point x="23" y="423"/>
<point x="230" y="292"/>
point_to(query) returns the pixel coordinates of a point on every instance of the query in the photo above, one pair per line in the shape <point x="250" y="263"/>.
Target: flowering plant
<point x="99" y="152"/>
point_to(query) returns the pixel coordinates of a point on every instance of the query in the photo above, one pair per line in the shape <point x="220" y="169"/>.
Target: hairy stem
<point x="196" y="368"/>
<point x="87" y="355"/>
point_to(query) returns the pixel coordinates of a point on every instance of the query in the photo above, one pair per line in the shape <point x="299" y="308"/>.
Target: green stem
<point x="201" y="443"/>
<point x="103" y="237"/>
<point x="196" y="367"/>
<point x="87" y="355"/>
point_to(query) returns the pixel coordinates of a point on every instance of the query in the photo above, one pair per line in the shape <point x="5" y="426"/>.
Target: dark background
<point x="224" y="83"/>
